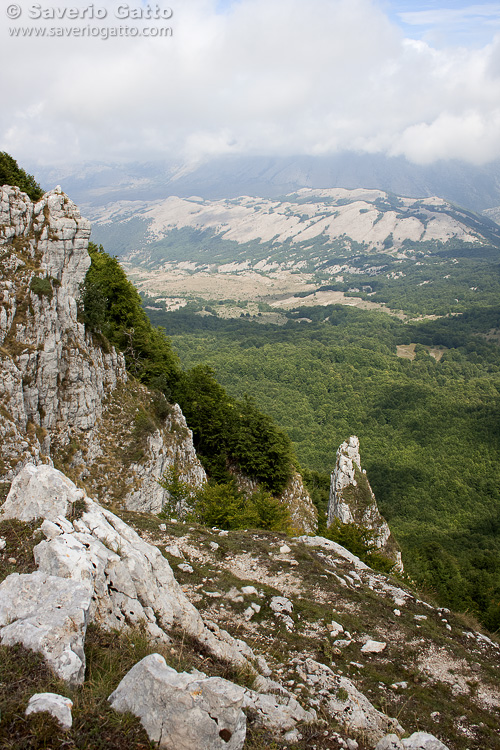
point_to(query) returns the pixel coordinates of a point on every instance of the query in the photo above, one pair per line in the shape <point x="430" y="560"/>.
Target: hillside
<point x="112" y="587"/>
<point x="415" y="256"/>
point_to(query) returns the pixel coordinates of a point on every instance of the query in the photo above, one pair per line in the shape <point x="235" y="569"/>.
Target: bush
<point x="223" y="506"/>
<point x="12" y="174"/>
<point x="41" y="286"/>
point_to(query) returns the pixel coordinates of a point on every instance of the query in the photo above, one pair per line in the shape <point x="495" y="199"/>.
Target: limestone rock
<point x="40" y="492"/>
<point x="333" y="547"/>
<point x="278" y="710"/>
<point x="423" y="741"/>
<point x="352" y="499"/>
<point x="345" y="703"/>
<point x="417" y="741"/>
<point x="58" y="388"/>
<point x="128" y="580"/>
<point x="47" y="614"/>
<point x="182" y="711"/>
<point x="54" y="704"/>
<point x="373" y="647"/>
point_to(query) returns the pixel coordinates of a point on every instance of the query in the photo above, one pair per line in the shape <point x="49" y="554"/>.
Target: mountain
<point x="303" y="229"/>
<point x="475" y="187"/>
<point x="136" y="629"/>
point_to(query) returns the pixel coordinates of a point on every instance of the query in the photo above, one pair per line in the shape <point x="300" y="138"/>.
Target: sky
<point x="202" y="78"/>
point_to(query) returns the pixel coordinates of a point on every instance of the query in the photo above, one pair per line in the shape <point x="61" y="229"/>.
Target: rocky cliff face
<point x="63" y="398"/>
<point x="352" y="499"/>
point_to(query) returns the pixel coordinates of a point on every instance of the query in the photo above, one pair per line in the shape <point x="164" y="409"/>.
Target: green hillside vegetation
<point x="12" y="174"/>
<point x="429" y="430"/>
<point x="226" y="430"/>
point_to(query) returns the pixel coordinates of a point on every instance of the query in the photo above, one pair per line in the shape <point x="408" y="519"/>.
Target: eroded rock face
<point x="56" y="385"/>
<point x="182" y="711"/>
<point x="49" y="615"/>
<point x="352" y="499"/>
<point x="129" y="580"/>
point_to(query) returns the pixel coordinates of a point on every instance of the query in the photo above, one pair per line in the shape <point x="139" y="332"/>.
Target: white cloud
<point x="262" y="77"/>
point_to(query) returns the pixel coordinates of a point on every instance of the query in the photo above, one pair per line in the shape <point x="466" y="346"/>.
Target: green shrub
<point x="12" y="174"/>
<point x="41" y="286"/>
<point x="223" y="506"/>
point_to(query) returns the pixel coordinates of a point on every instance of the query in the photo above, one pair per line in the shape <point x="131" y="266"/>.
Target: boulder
<point x="47" y="614"/>
<point x="53" y="704"/>
<point x="182" y="711"/>
<point x="40" y="492"/>
<point x="417" y="741"/>
<point x="423" y="741"/>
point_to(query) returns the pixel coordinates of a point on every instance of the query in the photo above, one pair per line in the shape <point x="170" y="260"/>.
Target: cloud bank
<point x="254" y="77"/>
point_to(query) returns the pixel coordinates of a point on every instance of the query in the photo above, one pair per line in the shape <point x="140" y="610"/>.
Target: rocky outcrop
<point x="182" y="711"/>
<point x="125" y="580"/>
<point x="352" y="499"/>
<point x="59" y="389"/>
<point x="49" y="615"/>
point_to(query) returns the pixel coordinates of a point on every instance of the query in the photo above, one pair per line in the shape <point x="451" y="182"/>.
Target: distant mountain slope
<point x="475" y="187"/>
<point x="308" y="227"/>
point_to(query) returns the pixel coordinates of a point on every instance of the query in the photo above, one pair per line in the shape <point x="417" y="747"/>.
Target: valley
<point x="376" y="334"/>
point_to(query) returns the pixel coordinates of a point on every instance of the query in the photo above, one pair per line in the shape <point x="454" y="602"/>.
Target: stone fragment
<point x="3" y="544"/>
<point x="285" y="549"/>
<point x="423" y="741"/>
<point x="335" y="628"/>
<point x="186" y="567"/>
<point x="373" y="647"/>
<point x="181" y="711"/>
<point x="417" y="741"/>
<point x="40" y="492"/>
<point x="214" y="546"/>
<point x="248" y="613"/>
<point x="249" y="590"/>
<point x="174" y="550"/>
<point x="279" y="711"/>
<point x="280" y="604"/>
<point x="47" y="614"/>
<point x="390" y="742"/>
<point x="54" y="704"/>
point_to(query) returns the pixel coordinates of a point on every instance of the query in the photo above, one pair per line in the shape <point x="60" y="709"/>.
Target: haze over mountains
<point x="474" y="187"/>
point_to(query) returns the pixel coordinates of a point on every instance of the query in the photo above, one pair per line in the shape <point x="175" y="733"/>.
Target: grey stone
<point x="47" y="614"/>
<point x="280" y="604"/>
<point x="373" y="647"/>
<point x="343" y="701"/>
<point x="423" y="741"/>
<point x="182" y="711"/>
<point x="40" y="492"/>
<point x="390" y="742"/>
<point x="54" y="704"/>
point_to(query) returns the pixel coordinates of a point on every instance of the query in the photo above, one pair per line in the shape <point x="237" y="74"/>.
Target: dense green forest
<point x="429" y="430"/>
<point x="226" y="430"/>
